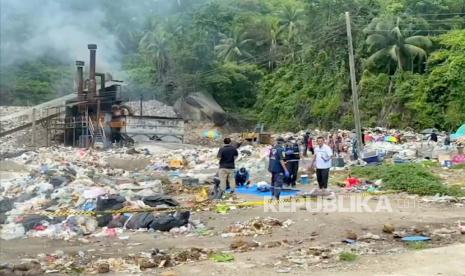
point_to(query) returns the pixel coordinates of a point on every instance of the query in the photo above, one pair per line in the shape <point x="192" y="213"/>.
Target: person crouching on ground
<point x="242" y="177"/>
<point x="227" y="155"/>
<point x="322" y="162"/>
<point x="277" y="167"/>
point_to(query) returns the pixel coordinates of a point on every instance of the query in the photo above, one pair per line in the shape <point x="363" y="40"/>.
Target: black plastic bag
<point x="140" y="220"/>
<point x="167" y="222"/>
<point x="156" y="200"/>
<point x="32" y="221"/>
<point x="111" y="202"/>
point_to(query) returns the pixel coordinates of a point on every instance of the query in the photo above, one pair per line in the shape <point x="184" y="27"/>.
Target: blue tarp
<point x="254" y="191"/>
<point x="459" y="133"/>
<point x="416" y="238"/>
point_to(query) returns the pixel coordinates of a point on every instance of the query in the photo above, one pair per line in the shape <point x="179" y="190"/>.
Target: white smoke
<point x="32" y="28"/>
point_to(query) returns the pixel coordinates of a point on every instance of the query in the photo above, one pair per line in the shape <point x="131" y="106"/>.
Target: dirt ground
<point x="386" y="256"/>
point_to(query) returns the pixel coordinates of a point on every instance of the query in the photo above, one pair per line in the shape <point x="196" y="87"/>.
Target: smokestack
<point x="79" y="77"/>
<point x="92" y="83"/>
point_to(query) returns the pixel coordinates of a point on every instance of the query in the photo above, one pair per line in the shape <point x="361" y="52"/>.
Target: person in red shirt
<point x="368" y="137"/>
<point x="310" y="145"/>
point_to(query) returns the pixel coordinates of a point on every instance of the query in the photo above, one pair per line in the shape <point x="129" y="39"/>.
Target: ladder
<point x="97" y="134"/>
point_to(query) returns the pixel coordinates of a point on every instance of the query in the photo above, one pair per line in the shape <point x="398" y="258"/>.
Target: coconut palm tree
<point x="275" y="32"/>
<point x="290" y="19"/>
<point x="392" y="50"/>
<point x="154" y="44"/>
<point x="233" y="48"/>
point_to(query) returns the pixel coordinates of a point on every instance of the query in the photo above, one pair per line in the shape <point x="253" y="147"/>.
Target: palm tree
<point x="232" y="48"/>
<point x="387" y="43"/>
<point x="290" y="20"/>
<point x="154" y="43"/>
<point x="392" y="53"/>
<point x="275" y="31"/>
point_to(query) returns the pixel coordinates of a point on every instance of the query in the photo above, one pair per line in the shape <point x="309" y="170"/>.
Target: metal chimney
<point x="92" y="83"/>
<point x="79" y="77"/>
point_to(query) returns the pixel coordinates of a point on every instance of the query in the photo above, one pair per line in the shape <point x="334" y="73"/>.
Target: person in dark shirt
<point x="242" y="177"/>
<point x="227" y="155"/>
<point x="434" y="137"/>
<point x="277" y="167"/>
<point x="292" y="161"/>
<point x="447" y="140"/>
<point x="305" y="142"/>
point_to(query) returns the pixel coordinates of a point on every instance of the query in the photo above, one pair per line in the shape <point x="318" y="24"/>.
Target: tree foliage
<point x="283" y="60"/>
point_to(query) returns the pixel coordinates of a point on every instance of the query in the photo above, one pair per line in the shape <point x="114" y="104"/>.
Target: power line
<point x="416" y="14"/>
<point x="265" y="57"/>
<point x="416" y="30"/>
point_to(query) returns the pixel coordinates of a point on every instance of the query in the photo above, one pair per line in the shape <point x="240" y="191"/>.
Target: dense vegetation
<point x="285" y="62"/>
<point x="410" y="178"/>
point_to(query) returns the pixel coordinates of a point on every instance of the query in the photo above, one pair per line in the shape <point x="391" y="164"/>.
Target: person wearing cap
<point x="242" y="177"/>
<point x="292" y="161"/>
<point x="277" y="167"/>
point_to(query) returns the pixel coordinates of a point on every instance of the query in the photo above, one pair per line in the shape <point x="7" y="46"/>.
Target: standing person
<point x="227" y="155"/>
<point x="363" y="137"/>
<point x="433" y="137"/>
<point x="331" y="141"/>
<point x="292" y="161"/>
<point x="447" y="140"/>
<point x="305" y="142"/>
<point x="322" y="162"/>
<point x="338" y="144"/>
<point x="310" y="145"/>
<point x="277" y="167"/>
<point x="354" y="145"/>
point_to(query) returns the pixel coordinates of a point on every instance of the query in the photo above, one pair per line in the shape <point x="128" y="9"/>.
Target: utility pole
<point x="140" y="103"/>
<point x="353" y="81"/>
<point x="34" y="129"/>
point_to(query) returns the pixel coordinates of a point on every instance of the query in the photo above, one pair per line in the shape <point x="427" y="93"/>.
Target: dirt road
<point x="325" y="229"/>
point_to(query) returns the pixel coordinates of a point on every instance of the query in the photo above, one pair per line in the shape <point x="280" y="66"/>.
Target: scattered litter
<point x="222" y="257"/>
<point x="415" y="238"/>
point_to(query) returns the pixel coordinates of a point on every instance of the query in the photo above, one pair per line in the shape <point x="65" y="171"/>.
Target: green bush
<point x="410" y="178"/>
<point x="347" y="256"/>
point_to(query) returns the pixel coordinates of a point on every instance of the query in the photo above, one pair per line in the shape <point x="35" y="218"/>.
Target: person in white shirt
<point x="322" y="162"/>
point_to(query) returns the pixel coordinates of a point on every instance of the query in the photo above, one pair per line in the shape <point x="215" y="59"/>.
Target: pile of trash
<point x="201" y="163"/>
<point x="65" y="192"/>
<point x="255" y="226"/>
<point x="354" y="184"/>
<point x="60" y="262"/>
<point x="305" y="257"/>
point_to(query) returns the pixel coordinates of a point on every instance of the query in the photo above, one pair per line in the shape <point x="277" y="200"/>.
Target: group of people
<point x="284" y="162"/>
<point x="284" y="158"/>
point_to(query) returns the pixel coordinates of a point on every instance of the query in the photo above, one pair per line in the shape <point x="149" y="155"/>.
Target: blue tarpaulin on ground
<point x="252" y="190"/>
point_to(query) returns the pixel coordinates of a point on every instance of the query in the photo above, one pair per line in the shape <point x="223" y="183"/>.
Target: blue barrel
<point x="304" y="179"/>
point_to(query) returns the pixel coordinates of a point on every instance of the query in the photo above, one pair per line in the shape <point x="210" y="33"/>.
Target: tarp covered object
<point x="459" y="133"/>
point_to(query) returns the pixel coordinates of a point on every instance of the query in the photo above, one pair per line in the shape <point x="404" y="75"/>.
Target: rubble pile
<point x="151" y="108"/>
